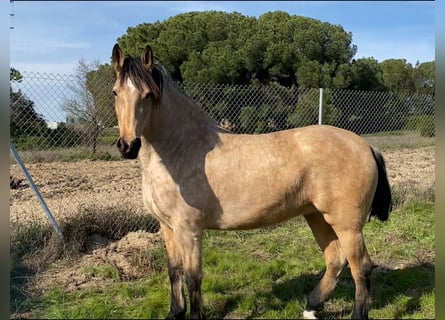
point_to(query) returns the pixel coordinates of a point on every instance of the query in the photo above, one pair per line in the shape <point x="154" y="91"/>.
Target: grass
<point x="264" y="273"/>
<point x="393" y="140"/>
<point x="103" y="152"/>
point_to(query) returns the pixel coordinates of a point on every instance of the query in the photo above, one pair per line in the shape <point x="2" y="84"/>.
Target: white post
<point x="320" y="107"/>
<point x="36" y="190"/>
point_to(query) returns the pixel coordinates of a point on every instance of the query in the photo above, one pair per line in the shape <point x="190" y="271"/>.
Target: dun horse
<point x="198" y="176"/>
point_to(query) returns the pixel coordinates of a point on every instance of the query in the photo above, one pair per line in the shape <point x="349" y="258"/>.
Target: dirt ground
<point x="68" y="186"/>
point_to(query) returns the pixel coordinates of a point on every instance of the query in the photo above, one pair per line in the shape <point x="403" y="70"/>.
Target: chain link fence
<point x="64" y="127"/>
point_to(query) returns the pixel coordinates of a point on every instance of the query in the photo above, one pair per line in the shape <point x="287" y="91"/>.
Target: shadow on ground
<point x="387" y="285"/>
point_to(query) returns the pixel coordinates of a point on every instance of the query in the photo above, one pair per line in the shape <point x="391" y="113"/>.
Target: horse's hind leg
<point x="175" y="272"/>
<point x="352" y="244"/>
<point x="335" y="262"/>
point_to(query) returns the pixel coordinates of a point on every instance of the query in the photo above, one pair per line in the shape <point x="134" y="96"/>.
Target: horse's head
<point x="135" y="92"/>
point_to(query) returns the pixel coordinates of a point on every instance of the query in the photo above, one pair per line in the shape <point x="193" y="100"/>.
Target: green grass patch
<point x="105" y="272"/>
<point x="269" y="273"/>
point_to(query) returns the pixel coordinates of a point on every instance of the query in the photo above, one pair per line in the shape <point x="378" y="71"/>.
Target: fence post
<point x="36" y="190"/>
<point x="320" y="107"/>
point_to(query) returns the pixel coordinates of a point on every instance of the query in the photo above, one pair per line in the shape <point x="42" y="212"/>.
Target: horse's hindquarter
<point x="264" y="179"/>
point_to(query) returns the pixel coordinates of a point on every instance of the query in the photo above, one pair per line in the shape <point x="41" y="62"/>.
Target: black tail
<point x="382" y="202"/>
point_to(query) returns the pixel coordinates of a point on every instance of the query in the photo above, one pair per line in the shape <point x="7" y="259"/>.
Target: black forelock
<point x="134" y="69"/>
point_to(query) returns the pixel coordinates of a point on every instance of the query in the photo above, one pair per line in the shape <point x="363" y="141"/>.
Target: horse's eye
<point x="114" y="93"/>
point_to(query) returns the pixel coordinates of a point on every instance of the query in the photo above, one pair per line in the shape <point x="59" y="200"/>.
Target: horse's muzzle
<point x="129" y="151"/>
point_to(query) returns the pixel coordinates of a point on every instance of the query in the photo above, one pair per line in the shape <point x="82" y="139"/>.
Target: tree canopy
<point x="277" y="47"/>
<point x="24" y="120"/>
<point x="224" y="47"/>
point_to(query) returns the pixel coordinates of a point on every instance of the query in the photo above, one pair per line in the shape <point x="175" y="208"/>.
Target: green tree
<point x="366" y="74"/>
<point x="306" y="111"/>
<point x="24" y="121"/>
<point x="83" y="104"/>
<point x="15" y="75"/>
<point x="218" y="63"/>
<point x="99" y="83"/>
<point x="397" y="75"/>
<point x="313" y="74"/>
<point x="176" y="38"/>
<point x="342" y="79"/>
<point x="424" y="77"/>
<point x="224" y="47"/>
<point x="252" y="119"/>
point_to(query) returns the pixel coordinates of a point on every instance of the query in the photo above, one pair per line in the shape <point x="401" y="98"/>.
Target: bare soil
<point x="129" y="256"/>
<point x="68" y="186"/>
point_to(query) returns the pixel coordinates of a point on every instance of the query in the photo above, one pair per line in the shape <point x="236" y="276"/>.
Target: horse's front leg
<point x="178" y="304"/>
<point x="191" y="248"/>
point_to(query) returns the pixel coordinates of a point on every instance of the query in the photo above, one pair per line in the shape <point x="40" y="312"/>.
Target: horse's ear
<point x="147" y="58"/>
<point x="117" y="57"/>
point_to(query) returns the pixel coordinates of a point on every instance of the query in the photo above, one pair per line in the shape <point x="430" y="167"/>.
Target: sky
<point x="51" y="36"/>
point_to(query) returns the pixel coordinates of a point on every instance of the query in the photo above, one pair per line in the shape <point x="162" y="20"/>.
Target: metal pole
<point x="320" y="107"/>
<point x="36" y="191"/>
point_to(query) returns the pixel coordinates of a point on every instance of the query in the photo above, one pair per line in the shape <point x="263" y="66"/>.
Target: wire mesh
<point x="64" y="128"/>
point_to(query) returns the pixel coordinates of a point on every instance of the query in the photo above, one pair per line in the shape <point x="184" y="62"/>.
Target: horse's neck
<point x="182" y="116"/>
<point x="179" y="129"/>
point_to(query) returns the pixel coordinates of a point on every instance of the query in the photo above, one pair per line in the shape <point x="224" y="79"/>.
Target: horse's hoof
<point x="309" y="314"/>
<point x="199" y="316"/>
<point x="175" y="316"/>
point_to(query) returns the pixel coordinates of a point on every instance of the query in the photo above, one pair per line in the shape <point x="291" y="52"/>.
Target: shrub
<point x="63" y="136"/>
<point x="29" y="142"/>
<point x="428" y="128"/>
<point x="424" y="124"/>
<point x="109" y="136"/>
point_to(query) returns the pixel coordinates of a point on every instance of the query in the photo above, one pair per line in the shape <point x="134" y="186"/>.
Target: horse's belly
<point x="257" y="216"/>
